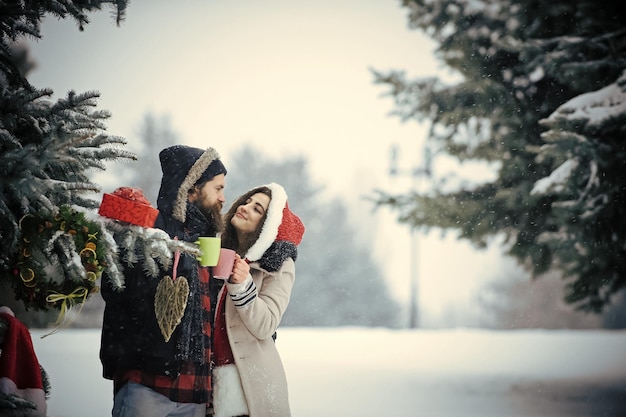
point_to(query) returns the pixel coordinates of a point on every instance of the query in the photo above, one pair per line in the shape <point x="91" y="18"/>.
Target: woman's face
<point x="250" y="213"/>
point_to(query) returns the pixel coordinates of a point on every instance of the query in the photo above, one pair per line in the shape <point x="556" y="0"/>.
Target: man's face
<point x="210" y="197"/>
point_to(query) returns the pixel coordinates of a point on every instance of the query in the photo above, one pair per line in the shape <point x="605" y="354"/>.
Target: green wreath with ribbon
<point x="59" y="261"/>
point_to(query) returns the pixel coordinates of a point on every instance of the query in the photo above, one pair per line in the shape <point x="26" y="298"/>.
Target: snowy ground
<point x="350" y="372"/>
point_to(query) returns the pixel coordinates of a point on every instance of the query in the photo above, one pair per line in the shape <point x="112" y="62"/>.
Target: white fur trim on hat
<point x="228" y="396"/>
<point x="7" y="310"/>
<point x="272" y="222"/>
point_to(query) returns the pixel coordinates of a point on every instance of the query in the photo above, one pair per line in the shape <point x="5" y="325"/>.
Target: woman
<point x="248" y="378"/>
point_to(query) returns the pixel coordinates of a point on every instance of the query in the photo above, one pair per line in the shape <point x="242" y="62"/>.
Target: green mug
<point x="210" y="248"/>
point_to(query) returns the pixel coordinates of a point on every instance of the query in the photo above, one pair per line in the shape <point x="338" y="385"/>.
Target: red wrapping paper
<point x="129" y="205"/>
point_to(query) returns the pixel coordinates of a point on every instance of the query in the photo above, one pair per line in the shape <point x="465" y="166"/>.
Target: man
<point x="154" y="375"/>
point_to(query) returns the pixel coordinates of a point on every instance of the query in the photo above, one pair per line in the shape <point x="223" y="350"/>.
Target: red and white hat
<point x="281" y="225"/>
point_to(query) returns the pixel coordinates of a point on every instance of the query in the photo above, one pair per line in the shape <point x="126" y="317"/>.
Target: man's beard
<point x="213" y="214"/>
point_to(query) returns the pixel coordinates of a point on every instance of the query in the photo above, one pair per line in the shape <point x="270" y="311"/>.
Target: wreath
<point x="59" y="260"/>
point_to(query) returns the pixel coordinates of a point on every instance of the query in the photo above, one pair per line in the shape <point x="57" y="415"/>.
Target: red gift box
<point x="128" y="205"/>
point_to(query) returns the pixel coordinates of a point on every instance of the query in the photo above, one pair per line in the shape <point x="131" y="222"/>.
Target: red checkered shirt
<point x="193" y="385"/>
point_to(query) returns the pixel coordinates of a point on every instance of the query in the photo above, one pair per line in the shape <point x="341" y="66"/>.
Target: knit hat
<point x="281" y="225"/>
<point x="183" y="167"/>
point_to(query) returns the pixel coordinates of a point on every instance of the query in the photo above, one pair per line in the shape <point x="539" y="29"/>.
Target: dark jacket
<point x="131" y="337"/>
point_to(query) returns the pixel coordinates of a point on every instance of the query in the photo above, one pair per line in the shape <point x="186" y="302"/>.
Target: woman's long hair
<point x="229" y="236"/>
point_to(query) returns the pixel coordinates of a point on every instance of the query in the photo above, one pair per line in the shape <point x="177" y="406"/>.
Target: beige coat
<point x="250" y="331"/>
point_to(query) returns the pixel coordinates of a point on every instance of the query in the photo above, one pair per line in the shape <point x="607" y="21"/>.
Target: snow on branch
<point x="592" y="112"/>
<point x="557" y="180"/>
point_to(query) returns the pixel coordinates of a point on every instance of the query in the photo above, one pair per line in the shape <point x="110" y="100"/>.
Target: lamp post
<point x="415" y="172"/>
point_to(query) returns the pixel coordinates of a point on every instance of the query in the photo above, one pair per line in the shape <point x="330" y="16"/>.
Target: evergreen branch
<point x="56" y="186"/>
<point x="7" y="140"/>
<point x="20" y="19"/>
<point x="9" y="72"/>
<point x="152" y="248"/>
<point x="103" y="153"/>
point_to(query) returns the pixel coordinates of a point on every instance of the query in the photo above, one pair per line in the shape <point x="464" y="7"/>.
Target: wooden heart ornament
<point x="170" y="301"/>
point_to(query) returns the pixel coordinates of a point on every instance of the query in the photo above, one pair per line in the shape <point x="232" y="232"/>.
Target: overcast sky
<point x="289" y="76"/>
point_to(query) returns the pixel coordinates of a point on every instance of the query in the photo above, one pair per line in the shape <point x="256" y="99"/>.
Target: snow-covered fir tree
<point x="53" y="244"/>
<point x="542" y="97"/>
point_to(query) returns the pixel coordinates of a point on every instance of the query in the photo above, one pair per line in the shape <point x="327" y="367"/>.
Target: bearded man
<point x="157" y="374"/>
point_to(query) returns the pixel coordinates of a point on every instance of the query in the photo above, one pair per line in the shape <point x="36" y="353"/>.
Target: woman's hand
<point x="241" y="269"/>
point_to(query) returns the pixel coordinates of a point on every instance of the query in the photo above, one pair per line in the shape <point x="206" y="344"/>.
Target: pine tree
<point x="541" y="95"/>
<point x="53" y="244"/>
